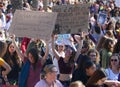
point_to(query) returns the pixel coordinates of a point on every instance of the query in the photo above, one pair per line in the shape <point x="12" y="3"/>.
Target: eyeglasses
<point x="115" y="60"/>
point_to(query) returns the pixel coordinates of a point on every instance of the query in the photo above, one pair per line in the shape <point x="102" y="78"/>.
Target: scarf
<point x="24" y="74"/>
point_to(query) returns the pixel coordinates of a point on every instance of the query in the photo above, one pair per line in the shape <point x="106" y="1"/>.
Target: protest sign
<point x="71" y="18"/>
<point x="102" y="18"/>
<point x="33" y="24"/>
<point x="63" y="39"/>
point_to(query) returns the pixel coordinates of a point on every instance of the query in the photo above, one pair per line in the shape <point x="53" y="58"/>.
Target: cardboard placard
<point x="71" y="18"/>
<point x="33" y="24"/>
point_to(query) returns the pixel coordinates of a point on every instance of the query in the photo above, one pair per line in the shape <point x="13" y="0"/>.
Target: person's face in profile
<point x="91" y="70"/>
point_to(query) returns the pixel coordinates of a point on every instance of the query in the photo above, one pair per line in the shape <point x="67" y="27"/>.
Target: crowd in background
<point x="92" y="59"/>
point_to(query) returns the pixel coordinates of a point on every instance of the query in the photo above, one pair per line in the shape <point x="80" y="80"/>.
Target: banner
<point x="33" y="24"/>
<point x="71" y="18"/>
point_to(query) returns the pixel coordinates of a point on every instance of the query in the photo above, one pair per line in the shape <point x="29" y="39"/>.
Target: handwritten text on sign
<point x="33" y="24"/>
<point x="72" y="18"/>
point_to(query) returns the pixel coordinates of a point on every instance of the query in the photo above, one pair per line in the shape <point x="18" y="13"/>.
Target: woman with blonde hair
<point x="114" y="67"/>
<point x="77" y="84"/>
<point x="50" y="78"/>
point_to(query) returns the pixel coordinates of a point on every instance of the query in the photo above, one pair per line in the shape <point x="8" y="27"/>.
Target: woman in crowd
<point x="60" y="51"/>
<point x="77" y="84"/>
<point x="30" y="73"/>
<point x="108" y="35"/>
<point x="50" y="72"/>
<point x="106" y="52"/>
<point x="84" y="71"/>
<point x="11" y="57"/>
<point x="66" y="64"/>
<point x="3" y="47"/>
<point x="94" y="56"/>
<point x="83" y="50"/>
<point x="114" y="67"/>
<point x="97" y="79"/>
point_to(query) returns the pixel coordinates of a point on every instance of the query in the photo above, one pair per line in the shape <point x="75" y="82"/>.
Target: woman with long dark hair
<point x="66" y="64"/>
<point x="84" y="71"/>
<point x="106" y="52"/>
<point x="97" y="79"/>
<point x="7" y="69"/>
<point x="32" y="66"/>
<point x="11" y="57"/>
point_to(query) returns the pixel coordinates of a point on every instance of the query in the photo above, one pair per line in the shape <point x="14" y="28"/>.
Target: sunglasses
<point x="114" y="60"/>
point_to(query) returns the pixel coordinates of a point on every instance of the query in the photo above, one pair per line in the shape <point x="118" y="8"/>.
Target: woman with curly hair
<point x="106" y="52"/>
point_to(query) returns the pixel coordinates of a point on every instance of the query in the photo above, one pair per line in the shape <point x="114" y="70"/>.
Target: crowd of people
<point x="92" y="59"/>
